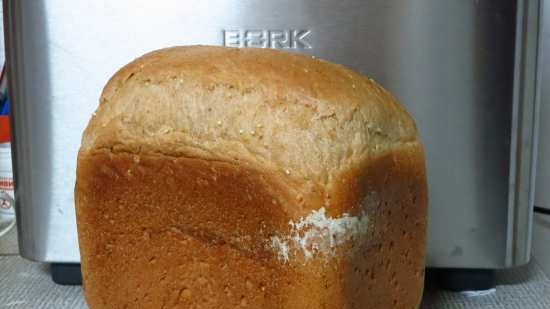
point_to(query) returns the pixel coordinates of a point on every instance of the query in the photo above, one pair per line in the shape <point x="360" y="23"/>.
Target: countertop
<point x="28" y="285"/>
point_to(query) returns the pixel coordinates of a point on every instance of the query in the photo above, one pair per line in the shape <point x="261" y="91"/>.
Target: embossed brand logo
<point x="289" y="39"/>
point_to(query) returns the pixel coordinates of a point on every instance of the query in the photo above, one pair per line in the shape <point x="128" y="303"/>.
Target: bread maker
<point x="467" y="71"/>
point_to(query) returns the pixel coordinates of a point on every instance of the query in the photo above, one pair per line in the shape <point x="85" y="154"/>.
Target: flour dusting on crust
<point x="318" y="234"/>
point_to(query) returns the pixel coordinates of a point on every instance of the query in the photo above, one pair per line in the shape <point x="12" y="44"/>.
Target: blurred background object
<point x="7" y="202"/>
<point x="8" y="235"/>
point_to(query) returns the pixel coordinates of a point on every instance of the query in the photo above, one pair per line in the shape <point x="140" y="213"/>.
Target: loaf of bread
<point x="213" y="177"/>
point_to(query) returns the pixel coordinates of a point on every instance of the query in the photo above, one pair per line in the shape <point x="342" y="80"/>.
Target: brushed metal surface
<point x="452" y="63"/>
<point x="525" y="122"/>
<point x="542" y="197"/>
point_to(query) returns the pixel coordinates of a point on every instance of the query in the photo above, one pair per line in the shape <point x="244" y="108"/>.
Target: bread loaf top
<point x="301" y="119"/>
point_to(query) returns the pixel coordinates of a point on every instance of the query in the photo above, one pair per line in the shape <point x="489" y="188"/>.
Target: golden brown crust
<point x="157" y="230"/>
<point x="197" y="172"/>
<point x="153" y="229"/>
<point x="305" y="120"/>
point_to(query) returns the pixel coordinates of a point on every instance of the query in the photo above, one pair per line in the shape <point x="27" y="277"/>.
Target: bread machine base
<point x="66" y="273"/>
